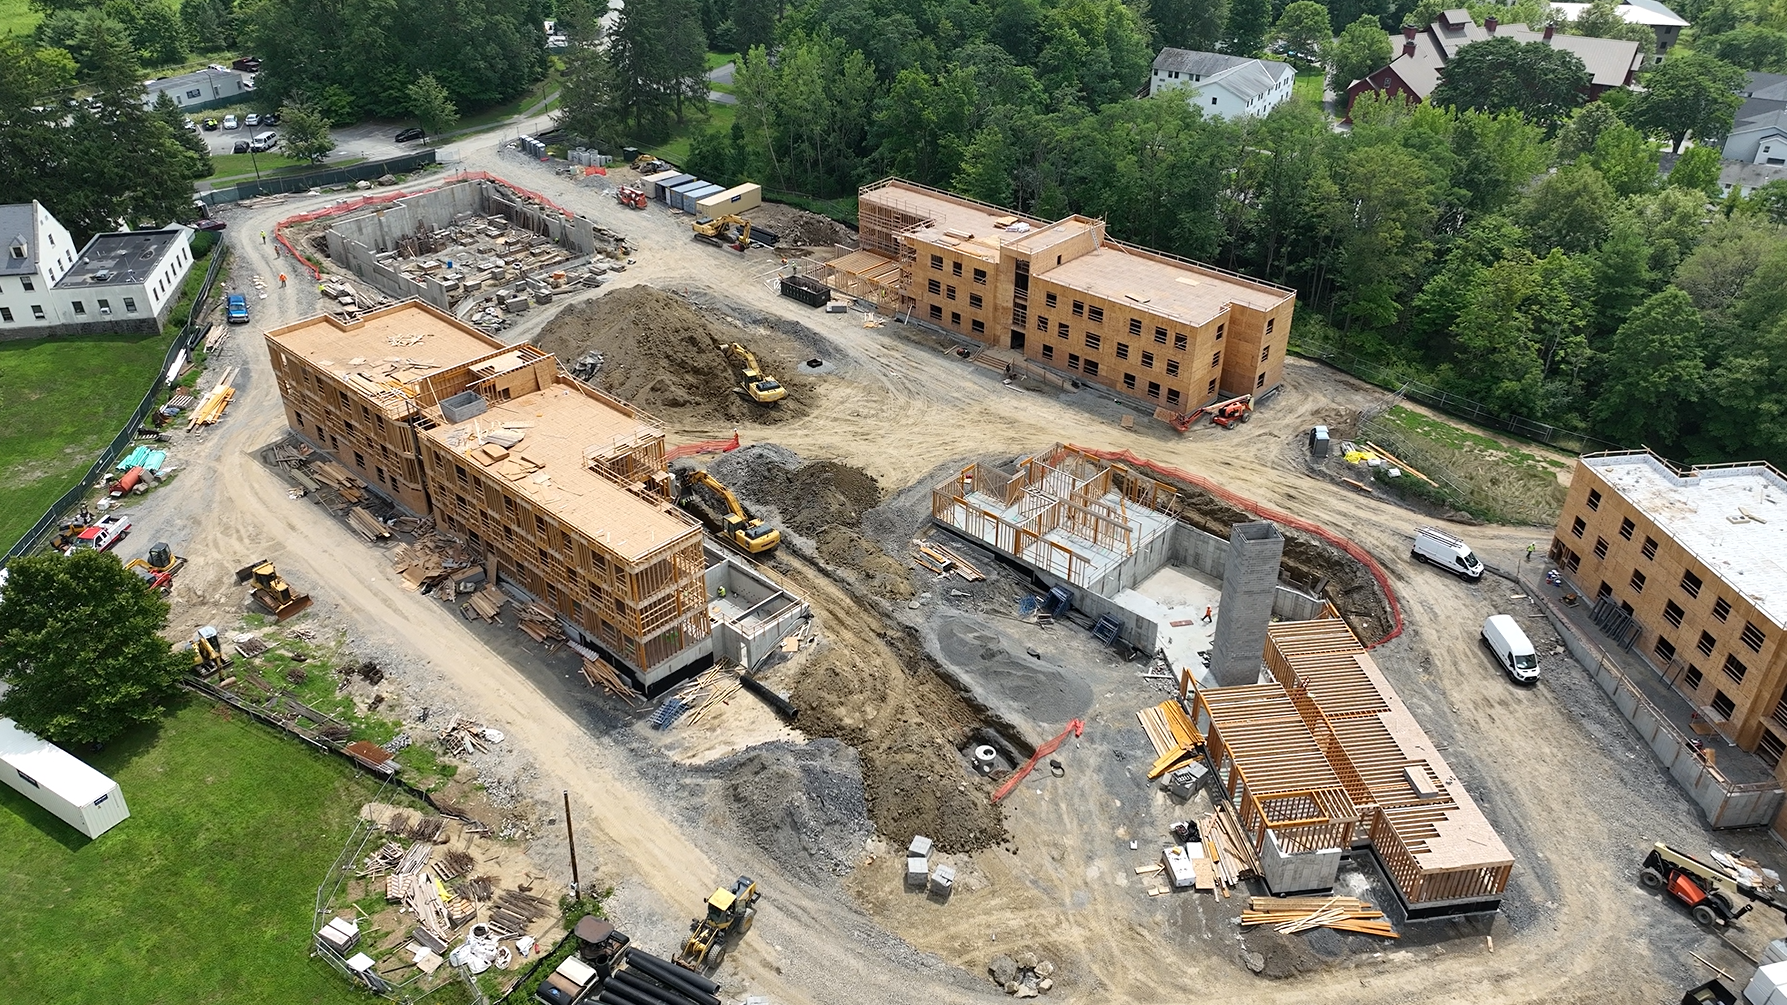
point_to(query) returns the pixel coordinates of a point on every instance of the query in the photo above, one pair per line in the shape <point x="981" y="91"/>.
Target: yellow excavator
<point x="759" y="386"/>
<point x="208" y="656"/>
<point x="729" y="912"/>
<point x="271" y="591"/>
<point x="749" y="534"/>
<point x="718" y="229"/>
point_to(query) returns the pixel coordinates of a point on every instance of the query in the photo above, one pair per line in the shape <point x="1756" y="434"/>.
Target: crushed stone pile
<point x="809" y="497"/>
<point x="803" y="804"/>
<point x="658" y="351"/>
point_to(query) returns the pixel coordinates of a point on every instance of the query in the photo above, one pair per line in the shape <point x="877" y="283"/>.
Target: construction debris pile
<point x="464" y="737"/>
<point x="692" y="702"/>
<point x="1289" y="915"/>
<point x="937" y="557"/>
<point x="1023" y="975"/>
<point x="346" y="301"/>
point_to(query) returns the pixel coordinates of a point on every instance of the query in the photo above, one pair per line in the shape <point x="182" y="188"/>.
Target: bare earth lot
<point x="665" y="816"/>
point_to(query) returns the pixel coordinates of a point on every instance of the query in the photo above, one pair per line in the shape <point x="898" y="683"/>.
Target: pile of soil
<point x="909" y="729"/>
<point x="801" y="803"/>
<point x="797" y="228"/>
<point x="808" y="497"/>
<point x="658" y="352"/>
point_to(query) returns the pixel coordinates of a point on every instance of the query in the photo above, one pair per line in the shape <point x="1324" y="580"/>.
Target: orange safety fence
<point x="1077" y="727"/>
<point x="1277" y="516"/>
<point x="351" y="205"/>
<point x="702" y="447"/>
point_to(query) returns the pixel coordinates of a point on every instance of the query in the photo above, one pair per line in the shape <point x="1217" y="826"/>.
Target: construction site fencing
<point x="1454" y="405"/>
<point x="189" y="336"/>
<point x="347" y="174"/>
<point x="1239" y="501"/>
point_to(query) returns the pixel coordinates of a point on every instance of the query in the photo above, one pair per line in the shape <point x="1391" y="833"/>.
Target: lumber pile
<point x="1290" y="915"/>
<point x="540" y="624"/>
<point x="366" y="525"/>
<point x="1227" y="845"/>
<point x="514" y="912"/>
<point x="338" y="478"/>
<point x="1176" y="739"/>
<point x="384" y="860"/>
<point x="465" y="737"/>
<point x="713" y="688"/>
<point x="432" y="559"/>
<point x="599" y="674"/>
<point x="211" y="406"/>
<point x="943" y="560"/>
<point x="487" y="604"/>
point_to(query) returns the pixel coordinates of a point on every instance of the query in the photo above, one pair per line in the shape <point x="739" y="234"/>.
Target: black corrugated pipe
<point x="611" y="995"/>
<point x="644" y="990"/>
<point x="697" y="987"/>
<point x="623" y="995"/>
<point x="770" y="698"/>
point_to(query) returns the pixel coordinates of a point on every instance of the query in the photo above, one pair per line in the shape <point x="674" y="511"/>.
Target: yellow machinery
<point x="747" y="533"/>
<point x="207" y="653"/>
<point x="729" y="913"/>
<point x="159" y="567"/>
<point x="718" y="229"/>
<point x="761" y="387"/>
<point x="274" y="595"/>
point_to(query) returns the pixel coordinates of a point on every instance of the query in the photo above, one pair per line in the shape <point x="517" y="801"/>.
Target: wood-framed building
<point x="1172" y="332"/>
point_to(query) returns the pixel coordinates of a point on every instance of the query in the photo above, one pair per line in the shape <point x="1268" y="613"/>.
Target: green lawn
<point x="204" y="895"/>
<point x="1494" y="479"/>
<point x="17" y="17"/>
<point x="479" y="118"/>
<point x="715" y="60"/>
<point x="62" y="400"/>
<point x="1308" y="86"/>
<point x="237" y="167"/>
<point x="676" y="148"/>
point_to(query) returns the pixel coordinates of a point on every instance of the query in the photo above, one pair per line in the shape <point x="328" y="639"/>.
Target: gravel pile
<point x="802" y="804"/>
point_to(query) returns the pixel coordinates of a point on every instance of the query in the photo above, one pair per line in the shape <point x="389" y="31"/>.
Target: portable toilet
<point x="1318" y="443"/>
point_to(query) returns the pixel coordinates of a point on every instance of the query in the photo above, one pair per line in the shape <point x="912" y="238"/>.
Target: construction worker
<point x="282" y="279"/>
<point x="263" y="237"/>
<point x="1208" y="614"/>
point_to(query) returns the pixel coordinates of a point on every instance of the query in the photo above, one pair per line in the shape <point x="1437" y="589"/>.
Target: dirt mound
<point x="797" y="228"/>
<point x="803" y="804"/>
<point x="808" y="497"/>
<point x="658" y="352"/>
<point x="910" y="733"/>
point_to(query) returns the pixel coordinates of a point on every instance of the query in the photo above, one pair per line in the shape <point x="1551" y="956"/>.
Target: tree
<point x="1188" y="24"/>
<point x="36" y="91"/>
<point x="1388" y="231"/>
<point x="1627" y="160"/>
<point x="1502" y="75"/>
<point x="1094" y="52"/>
<point x="432" y="105"/>
<point x="306" y="131"/>
<point x="1770" y="199"/>
<point x="1652" y="372"/>
<point x="175" y="119"/>
<point x="753" y="23"/>
<point x="1569" y="209"/>
<point x="1750" y="46"/>
<point x="1304" y="32"/>
<point x="1244" y="30"/>
<point x="587" y="99"/>
<point x="155" y="30"/>
<point x="80" y="648"/>
<point x="1601" y="19"/>
<point x="655" y="50"/>
<point x="1361" y="48"/>
<point x="1697" y="170"/>
<point x="1586" y="124"/>
<point x="1749" y="384"/>
<point x="1688" y="93"/>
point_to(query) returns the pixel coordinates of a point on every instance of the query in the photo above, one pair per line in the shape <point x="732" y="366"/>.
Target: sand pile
<point x="658" y="352"/>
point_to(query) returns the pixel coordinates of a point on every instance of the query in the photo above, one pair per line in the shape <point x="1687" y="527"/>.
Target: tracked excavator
<point x="757" y="385"/>
<point x="718" y="230"/>
<point x="743" y="531"/>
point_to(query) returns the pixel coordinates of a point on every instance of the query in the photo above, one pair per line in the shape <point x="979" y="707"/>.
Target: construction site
<point x="877" y="656"/>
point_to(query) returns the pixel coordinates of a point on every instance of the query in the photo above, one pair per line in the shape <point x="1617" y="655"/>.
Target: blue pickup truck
<point x="235" y="307"/>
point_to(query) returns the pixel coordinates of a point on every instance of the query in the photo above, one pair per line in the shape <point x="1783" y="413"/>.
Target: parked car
<point x="252" y="119"/>
<point x="210" y="125"/>
<point x="241" y="147"/>
<point x="235" y="308"/>
<point x="270" y="119"/>
<point x="1512" y="649"/>
<point x="189" y="124"/>
<point x="264" y="141"/>
<point x="208" y="224"/>
<point x="230" y="122"/>
<point x="247" y="64"/>
<point x="1436" y="547"/>
<point x="411" y="135"/>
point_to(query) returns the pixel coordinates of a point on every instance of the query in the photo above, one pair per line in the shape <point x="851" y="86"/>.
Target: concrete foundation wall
<point x="1207" y="553"/>
<point x="1249" y="586"/>
<point x="760" y="613"/>
<point x="1722" y="807"/>
<point x="363" y="262"/>
<point x="1301" y="872"/>
<point x="1150" y="555"/>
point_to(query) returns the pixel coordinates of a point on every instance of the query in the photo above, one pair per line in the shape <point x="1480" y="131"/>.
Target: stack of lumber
<point x="943" y="560"/>
<point x="1176" y="739"/>
<point x="1227" y="846"/>
<point x="383" y="860"/>
<point x="366" y="525"/>
<point x="487" y="604"/>
<point x="211" y="407"/>
<point x="514" y="912"/>
<point x="424" y="899"/>
<point x="540" y="624"/>
<point x="599" y="674"/>
<point x="713" y="688"/>
<point x="337" y="477"/>
<point x="1300" y="914"/>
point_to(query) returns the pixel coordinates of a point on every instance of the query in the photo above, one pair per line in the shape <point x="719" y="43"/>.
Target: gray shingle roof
<point x="1247" y="78"/>
<point x="18" y="225"/>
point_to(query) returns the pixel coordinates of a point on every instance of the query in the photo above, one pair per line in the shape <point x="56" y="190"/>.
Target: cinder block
<point x="918" y="871"/>
<point x="943" y="881"/>
<point x="920" y="847"/>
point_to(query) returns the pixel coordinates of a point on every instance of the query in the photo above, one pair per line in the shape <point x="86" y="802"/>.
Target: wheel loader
<point x="729" y="914"/>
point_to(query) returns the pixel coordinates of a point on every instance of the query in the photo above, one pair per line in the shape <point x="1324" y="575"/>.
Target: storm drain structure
<point x="1325" y="757"/>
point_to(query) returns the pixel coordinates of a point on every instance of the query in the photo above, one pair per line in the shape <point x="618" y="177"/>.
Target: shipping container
<point x="736" y="199"/>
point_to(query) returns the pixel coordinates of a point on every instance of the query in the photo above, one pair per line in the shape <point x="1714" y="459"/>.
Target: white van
<point x="1436" y="547"/>
<point x="1512" y="649"/>
<point x="264" y="141"/>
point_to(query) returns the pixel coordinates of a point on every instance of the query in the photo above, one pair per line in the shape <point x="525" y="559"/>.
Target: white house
<point x="59" y="782"/>
<point x="123" y="281"/>
<point x="201" y="89"/>
<point x="1224" y="86"/>
<point x="1653" y="14"/>
<point x="1759" y="128"/>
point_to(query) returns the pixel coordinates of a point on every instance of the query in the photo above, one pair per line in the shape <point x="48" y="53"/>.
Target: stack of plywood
<point x="333" y="474"/>
<point x="1299" y="914"/>
<point x="488" y="603"/>
<point x="366" y="525"/>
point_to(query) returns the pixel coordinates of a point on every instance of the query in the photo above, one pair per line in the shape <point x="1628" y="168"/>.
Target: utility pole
<point x="571" y="842"/>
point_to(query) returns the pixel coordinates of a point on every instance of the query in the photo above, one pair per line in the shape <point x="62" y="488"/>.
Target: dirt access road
<point x="1561" y="778"/>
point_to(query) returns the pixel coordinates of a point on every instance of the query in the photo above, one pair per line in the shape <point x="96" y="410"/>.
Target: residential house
<point x="126" y="281"/>
<point x="1222" y="86"/>
<point x="1415" y="72"/>
<point x="1759" y="126"/>
<point x="1652" y="14"/>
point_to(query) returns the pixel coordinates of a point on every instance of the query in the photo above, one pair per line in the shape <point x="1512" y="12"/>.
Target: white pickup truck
<point x="109" y="530"/>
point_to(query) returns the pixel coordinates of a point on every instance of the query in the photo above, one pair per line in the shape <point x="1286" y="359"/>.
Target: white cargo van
<point x="1512" y="649"/>
<point x="1437" y="547"/>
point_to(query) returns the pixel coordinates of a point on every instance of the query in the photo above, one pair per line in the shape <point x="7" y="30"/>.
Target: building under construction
<point x="1145" y="324"/>
<point x="560" y="487"/>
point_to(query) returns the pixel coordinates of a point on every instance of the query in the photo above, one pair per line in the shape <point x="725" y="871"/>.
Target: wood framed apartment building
<point x="1145" y="324"/>
<point x="1684" y="565"/>
<point x="561" y="487"/>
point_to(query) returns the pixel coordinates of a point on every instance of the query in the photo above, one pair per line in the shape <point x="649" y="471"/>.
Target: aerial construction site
<point x="961" y="607"/>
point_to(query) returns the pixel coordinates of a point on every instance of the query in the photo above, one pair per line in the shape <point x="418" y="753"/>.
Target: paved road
<point x="721" y="74"/>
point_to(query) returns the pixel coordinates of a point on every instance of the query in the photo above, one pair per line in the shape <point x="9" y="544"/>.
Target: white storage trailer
<point x="59" y="782"/>
<point x="736" y="199"/>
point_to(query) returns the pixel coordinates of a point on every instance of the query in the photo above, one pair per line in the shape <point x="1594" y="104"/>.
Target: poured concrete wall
<point x="1301" y="872"/>
<point x="753" y="615"/>
<point x="1249" y="586"/>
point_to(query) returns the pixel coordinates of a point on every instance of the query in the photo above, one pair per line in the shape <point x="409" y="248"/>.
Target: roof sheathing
<point x="1733" y="519"/>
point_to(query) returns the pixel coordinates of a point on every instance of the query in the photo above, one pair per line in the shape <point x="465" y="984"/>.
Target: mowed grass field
<point x="204" y="895"/>
<point x="62" y="399"/>
<point x="17" y="17"/>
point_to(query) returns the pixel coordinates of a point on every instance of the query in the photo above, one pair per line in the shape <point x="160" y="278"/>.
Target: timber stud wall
<point x="338" y="418"/>
<point x="1602" y="549"/>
